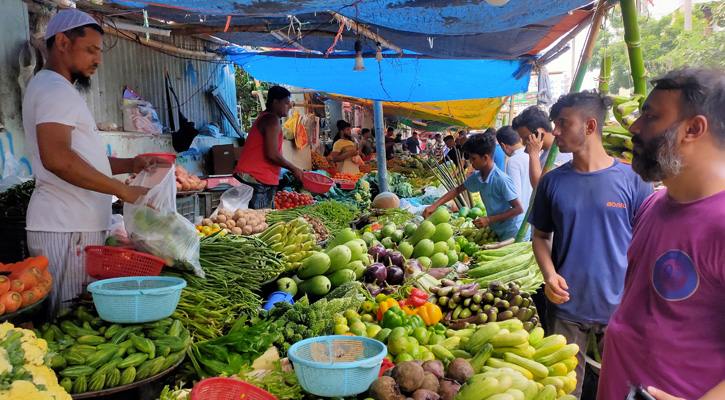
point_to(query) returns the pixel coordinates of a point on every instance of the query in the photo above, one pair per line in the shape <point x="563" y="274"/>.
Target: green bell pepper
<point x="393" y="318"/>
<point x="438" y="328"/>
<point x="421" y="335"/>
<point x="414" y="321"/>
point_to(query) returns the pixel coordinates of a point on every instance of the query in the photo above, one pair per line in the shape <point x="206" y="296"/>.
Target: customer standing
<point x="413" y="144"/>
<point x="344" y="150"/>
<point x="589" y="206"/>
<point x="517" y="166"/>
<point x="667" y="331"/>
<point x="71" y="205"/>
<point x="535" y="129"/>
<point x="262" y="160"/>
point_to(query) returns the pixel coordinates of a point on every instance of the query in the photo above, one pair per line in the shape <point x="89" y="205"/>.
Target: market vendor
<point x="534" y="128"/>
<point x="261" y="160"/>
<point x="667" y="331"/>
<point x="366" y="144"/>
<point x="344" y="150"/>
<point x="71" y="205"/>
<point x="582" y="217"/>
<point x="497" y="191"/>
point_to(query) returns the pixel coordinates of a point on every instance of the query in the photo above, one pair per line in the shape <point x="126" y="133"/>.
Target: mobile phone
<point x="638" y="393"/>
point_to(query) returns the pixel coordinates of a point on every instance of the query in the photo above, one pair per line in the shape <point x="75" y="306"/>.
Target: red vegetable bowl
<point x="317" y="183"/>
<point x="171" y="157"/>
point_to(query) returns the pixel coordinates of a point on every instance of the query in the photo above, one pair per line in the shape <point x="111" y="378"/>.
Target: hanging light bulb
<point x="359" y="65"/>
<point x="378" y="52"/>
<point x="496" y="2"/>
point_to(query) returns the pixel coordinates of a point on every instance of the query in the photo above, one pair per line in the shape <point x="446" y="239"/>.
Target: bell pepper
<point x="430" y="313"/>
<point x="417" y="297"/>
<point x="410" y="311"/>
<point x="393" y="317"/>
<point x="439" y="329"/>
<point x="385" y="306"/>
<point x="421" y="335"/>
<point x="414" y="321"/>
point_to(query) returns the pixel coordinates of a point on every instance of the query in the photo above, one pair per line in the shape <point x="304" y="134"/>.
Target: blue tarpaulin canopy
<point x="393" y="79"/>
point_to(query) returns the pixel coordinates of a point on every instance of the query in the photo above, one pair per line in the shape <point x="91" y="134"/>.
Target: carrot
<point x="40" y="261"/>
<point x="29" y="280"/>
<point x="46" y="285"/>
<point x="8" y="267"/>
<point x="37" y="272"/>
<point x="28" y="298"/>
<point x="46" y="276"/>
<point x="2" y="308"/>
<point x="4" y="284"/>
<point x="16" y="285"/>
<point x="39" y="292"/>
<point x="12" y="301"/>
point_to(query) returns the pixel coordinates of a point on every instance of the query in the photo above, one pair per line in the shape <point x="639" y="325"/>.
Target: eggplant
<point x="456" y="297"/>
<point x="488" y="297"/>
<point x="502" y="316"/>
<point x="468" y="292"/>
<point x="395" y="275"/>
<point x="448" y="282"/>
<point x="501" y="304"/>
<point x="439" y="273"/>
<point x="445" y="291"/>
<point x="478" y="297"/>
<point x="434" y="289"/>
<point x="443" y="300"/>
<point x="413" y="264"/>
<point x="376" y="273"/>
<point x="448" y="316"/>
<point x="377" y="252"/>
<point x="474" y="307"/>
<point x="388" y="290"/>
<point x="373" y="289"/>
<point x="396" y="258"/>
<point x="514" y="309"/>
<point x="467" y="302"/>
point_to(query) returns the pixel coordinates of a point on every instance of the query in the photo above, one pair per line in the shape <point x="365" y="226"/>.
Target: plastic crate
<point x="205" y="208"/>
<point x="216" y="199"/>
<point x="188" y="206"/>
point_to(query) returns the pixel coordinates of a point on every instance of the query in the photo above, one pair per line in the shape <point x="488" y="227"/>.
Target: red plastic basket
<point x="106" y="262"/>
<point x="227" y="389"/>
<point x="317" y="183"/>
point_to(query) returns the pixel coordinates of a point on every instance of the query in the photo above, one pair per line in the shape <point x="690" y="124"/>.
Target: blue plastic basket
<point x="136" y="299"/>
<point x="337" y="366"/>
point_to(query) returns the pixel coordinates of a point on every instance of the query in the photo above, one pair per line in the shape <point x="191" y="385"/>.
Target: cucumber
<point x="538" y="370"/>
<point x="128" y="376"/>
<point x="480" y="389"/>
<point x="80" y="385"/>
<point x="77" y="371"/>
<point x="133" y="360"/>
<point x="568" y="351"/>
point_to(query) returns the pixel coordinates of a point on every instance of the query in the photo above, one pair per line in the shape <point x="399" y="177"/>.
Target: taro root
<point x="409" y="376"/>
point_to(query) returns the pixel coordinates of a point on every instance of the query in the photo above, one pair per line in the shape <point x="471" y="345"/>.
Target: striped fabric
<point x="67" y="262"/>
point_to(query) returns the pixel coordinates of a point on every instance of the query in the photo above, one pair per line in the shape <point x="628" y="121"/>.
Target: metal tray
<point x="104" y="392"/>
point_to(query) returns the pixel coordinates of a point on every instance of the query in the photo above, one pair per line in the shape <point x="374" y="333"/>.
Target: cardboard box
<point x="222" y="159"/>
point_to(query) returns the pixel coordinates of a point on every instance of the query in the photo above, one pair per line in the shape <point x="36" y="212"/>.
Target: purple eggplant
<point x="377" y="252"/>
<point x="376" y="273"/>
<point x="373" y="289"/>
<point x="395" y="275"/>
<point x="396" y="258"/>
<point x="389" y="290"/>
<point x="385" y="258"/>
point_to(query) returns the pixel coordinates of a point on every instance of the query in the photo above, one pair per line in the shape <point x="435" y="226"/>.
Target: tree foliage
<point x="665" y="43"/>
<point x="248" y="102"/>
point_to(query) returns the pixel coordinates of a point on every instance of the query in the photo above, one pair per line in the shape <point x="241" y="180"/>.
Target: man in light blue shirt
<point x="517" y="167"/>
<point x="503" y="208"/>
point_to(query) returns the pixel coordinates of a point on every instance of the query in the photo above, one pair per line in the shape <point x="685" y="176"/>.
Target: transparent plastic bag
<point x="118" y="236"/>
<point x="234" y="199"/>
<point x="13" y="173"/>
<point x="155" y="227"/>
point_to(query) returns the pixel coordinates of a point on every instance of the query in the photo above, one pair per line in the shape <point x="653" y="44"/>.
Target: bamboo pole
<point x="633" y="39"/>
<point x="604" y="75"/>
<point x="366" y="32"/>
<point x="602" y="7"/>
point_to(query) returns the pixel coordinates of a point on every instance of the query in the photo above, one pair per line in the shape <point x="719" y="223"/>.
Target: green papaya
<point x="443" y="232"/>
<point x="340" y="256"/>
<point x="316" y="264"/>
<point x="440" y="216"/>
<point x="424" y="231"/>
<point x="317" y="285"/>
<point x="424" y="248"/>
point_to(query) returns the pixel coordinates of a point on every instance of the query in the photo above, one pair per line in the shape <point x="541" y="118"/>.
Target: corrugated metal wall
<point x="140" y="68"/>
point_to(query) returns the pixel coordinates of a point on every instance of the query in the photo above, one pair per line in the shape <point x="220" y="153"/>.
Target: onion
<point x="395" y="275"/>
<point x="376" y="273"/>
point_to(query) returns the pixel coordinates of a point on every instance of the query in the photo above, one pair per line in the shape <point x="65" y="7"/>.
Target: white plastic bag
<point x="155" y="227"/>
<point x="118" y="236"/>
<point x="235" y="198"/>
<point x="13" y="173"/>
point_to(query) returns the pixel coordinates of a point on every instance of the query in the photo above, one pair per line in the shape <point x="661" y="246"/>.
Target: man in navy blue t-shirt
<point x="588" y="204"/>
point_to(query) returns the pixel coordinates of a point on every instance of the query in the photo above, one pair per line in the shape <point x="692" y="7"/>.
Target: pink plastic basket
<point x="227" y="389"/>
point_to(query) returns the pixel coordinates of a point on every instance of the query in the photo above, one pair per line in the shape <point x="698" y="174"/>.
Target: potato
<point x="237" y="230"/>
<point x="206" y="222"/>
<point x="185" y="186"/>
<point x="230" y="223"/>
<point x="213" y="220"/>
<point x="241" y="222"/>
<point x="223" y="225"/>
<point x="247" y="230"/>
<point x="238" y="214"/>
<point x="221" y="218"/>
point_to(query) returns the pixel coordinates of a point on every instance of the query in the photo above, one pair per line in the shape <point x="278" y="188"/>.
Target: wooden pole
<point x="366" y="32"/>
<point x="602" y="7"/>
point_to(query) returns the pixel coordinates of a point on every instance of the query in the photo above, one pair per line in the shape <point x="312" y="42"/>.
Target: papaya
<point x="317" y="285"/>
<point x="424" y="248"/>
<point x="440" y="216"/>
<point x="316" y="264"/>
<point x="341" y="277"/>
<point x="340" y="256"/>
<point x="424" y="231"/>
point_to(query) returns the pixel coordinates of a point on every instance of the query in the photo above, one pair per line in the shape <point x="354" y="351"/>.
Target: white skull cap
<point x="67" y="20"/>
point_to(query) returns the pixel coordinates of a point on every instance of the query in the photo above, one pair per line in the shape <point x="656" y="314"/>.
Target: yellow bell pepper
<point x="384" y="306"/>
<point x="430" y="313"/>
<point x="409" y="311"/>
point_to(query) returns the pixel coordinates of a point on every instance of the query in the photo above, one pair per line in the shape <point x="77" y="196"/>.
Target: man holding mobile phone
<point x="535" y="129"/>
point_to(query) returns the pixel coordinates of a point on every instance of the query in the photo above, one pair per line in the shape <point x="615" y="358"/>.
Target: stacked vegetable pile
<point x="479" y="236"/>
<point x="285" y="200"/>
<point x="510" y="263"/>
<point x="320" y="162"/>
<point x="23" y="373"/>
<point x="186" y="181"/>
<point x="28" y="283"/>
<point x="335" y="215"/>
<point x="296" y="241"/>
<point x="321" y="233"/>
<point x="239" y="222"/>
<point x="91" y="354"/>
<point x="465" y="304"/>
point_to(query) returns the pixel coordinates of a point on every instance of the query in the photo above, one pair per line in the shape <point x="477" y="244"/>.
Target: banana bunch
<point x="295" y="240"/>
<point x="479" y="236"/>
<point x="626" y="109"/>
<point x="617" y="139"/>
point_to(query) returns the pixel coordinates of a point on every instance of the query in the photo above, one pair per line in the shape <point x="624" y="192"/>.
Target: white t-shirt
<point x="561" y="158"/>
<point x="517" y="168"/>
<point x="56" y="205"/>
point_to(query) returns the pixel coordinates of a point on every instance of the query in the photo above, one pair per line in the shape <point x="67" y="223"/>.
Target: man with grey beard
<point x="71" y="205"/>
<point x="666" y="334"/>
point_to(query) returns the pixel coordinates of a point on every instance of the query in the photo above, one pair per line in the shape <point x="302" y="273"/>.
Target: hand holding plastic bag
<point x="155" y="227"/>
